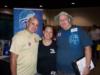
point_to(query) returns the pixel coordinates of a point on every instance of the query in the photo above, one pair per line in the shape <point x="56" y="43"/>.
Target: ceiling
<point x="48" y="4"/>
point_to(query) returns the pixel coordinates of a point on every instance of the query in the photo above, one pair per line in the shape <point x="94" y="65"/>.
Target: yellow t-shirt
<point x="98" y="47"/>
<point x="25" y="45"/>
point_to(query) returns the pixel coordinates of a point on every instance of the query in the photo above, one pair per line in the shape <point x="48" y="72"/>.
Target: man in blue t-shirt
<point x="73" y="43"/>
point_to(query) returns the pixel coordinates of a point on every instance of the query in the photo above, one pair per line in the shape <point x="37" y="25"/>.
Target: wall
<point x="6" y="23"/>
<point x="82" y="16"/>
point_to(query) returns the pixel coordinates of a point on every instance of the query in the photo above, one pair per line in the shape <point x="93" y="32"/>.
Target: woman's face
<point x="48" y="33"/>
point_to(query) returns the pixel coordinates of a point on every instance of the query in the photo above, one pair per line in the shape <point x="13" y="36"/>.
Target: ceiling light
<point x="5" y="6"/>
<point x="41" y="6"/>
<point x="73" y="3"/>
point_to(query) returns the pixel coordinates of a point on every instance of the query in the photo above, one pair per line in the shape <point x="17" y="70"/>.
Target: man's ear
<point x="27" y="23"/>
<point x="43" y="31"/>
<point x="69" y="20"/>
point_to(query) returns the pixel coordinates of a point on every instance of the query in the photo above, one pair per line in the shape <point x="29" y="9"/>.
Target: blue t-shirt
<point x="71" y="45"/>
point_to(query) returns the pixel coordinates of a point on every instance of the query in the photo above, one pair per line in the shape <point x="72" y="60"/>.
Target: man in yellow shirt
<point x="24" y="49"/>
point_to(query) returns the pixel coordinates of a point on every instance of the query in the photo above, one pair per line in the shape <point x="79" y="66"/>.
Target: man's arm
<point x="88" y="55"/>
<point x="13" y="63"/>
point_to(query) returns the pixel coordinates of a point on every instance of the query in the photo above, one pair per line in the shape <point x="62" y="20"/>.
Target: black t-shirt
<point x="46" y="58"/>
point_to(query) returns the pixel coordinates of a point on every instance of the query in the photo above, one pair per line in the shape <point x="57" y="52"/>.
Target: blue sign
<point x="20" y="18"/>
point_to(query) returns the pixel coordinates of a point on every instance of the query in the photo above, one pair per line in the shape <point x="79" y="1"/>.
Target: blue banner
<point x="19" y="18"/>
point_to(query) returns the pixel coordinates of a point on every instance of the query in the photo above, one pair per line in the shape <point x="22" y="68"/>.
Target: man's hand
<point x="86" y="70"/>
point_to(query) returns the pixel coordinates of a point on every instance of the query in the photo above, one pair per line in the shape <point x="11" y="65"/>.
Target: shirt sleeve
<point x="85" y="38"/>
<point x="16" y="44"/>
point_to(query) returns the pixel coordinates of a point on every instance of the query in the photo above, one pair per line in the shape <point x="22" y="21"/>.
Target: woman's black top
<point x="46" y="64"/>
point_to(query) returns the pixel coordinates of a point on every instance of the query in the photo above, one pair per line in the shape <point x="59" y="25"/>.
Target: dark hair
<point x="45" y="26"/>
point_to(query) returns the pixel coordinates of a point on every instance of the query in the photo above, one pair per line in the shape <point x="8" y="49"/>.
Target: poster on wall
<point x="21" y="15"/>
